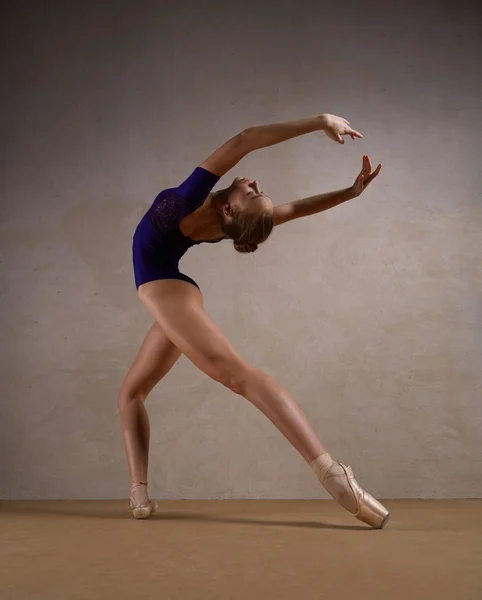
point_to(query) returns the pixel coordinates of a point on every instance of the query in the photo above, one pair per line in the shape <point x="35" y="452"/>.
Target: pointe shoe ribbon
<point x="370" y="510"/>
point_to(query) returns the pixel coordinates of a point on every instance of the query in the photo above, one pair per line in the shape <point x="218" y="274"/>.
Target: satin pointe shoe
<point x="142" y="511"/>
<point x="369" y="511"/>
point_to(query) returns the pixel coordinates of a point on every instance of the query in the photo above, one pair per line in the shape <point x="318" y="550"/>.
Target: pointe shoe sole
<point x="370" y="510"/>
<point x="384" y="522"/>
<point x="143" y="511"/>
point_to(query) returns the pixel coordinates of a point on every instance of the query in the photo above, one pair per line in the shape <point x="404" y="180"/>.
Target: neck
<point x="205" y="222"/>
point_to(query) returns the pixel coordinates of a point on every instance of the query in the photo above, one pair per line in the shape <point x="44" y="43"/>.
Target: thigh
<point x="155" y="358"/>
<point x="177" y="306"/>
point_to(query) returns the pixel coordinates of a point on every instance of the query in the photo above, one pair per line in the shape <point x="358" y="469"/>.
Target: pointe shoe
<point x="369" y="511"/>
<point x="142" y="511"/>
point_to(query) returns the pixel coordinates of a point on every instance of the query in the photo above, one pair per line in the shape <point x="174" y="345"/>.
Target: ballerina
<point x="191" y="214"/>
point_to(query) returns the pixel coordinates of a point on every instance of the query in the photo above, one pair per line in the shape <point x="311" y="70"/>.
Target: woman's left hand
<point x="365" y="176"/>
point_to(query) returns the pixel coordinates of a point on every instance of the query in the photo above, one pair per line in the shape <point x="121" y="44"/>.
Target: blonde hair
<point x="249" y="231"/>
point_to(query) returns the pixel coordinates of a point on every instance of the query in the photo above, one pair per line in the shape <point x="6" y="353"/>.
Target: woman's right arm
<point x="261" y="136"/>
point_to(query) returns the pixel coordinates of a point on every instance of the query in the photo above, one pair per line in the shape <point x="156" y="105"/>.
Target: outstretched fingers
<point x="373" y="175"/>
<point x="353" y="133"/>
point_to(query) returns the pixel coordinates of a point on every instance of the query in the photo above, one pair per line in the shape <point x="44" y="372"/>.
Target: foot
<point x="339" y="482"/>
<point x="337" y="485"/>
<point x="141" y="506"/>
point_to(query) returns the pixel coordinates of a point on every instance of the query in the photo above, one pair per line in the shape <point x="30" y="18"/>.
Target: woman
<point x="189" y="215"/>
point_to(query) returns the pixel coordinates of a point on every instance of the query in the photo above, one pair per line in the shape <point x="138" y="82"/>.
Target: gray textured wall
<point x="369" y="313"/>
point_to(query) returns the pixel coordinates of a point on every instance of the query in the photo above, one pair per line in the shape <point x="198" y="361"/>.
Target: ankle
<point x="321" y="465"/>
<point x="135" y="484"/>
<point x="139" y="492"/>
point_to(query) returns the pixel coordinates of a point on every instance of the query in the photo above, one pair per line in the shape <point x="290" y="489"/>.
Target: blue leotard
<point x="158" y="243"/>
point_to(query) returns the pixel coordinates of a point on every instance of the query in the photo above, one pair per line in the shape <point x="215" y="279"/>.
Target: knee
<point x="126" y="399"/>
<point x="236" y="379"/>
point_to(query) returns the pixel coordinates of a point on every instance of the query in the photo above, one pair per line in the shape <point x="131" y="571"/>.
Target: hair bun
<point x="245" y="247"/>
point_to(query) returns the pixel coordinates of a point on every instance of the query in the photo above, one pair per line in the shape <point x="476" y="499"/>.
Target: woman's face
<point x="246" y="195"/>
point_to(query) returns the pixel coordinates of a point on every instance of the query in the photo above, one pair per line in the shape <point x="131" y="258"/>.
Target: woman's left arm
<point x="320" y="202"/>
<point x="261" y="136"/>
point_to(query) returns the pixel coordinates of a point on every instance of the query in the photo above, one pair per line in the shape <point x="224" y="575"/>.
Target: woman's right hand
<point x="335" y="127"/>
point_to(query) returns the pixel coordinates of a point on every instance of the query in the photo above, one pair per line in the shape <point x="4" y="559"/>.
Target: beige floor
<point x="243" y="549"/>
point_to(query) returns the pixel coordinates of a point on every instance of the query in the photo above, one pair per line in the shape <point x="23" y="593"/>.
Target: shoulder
<point x="198" y="185"/>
